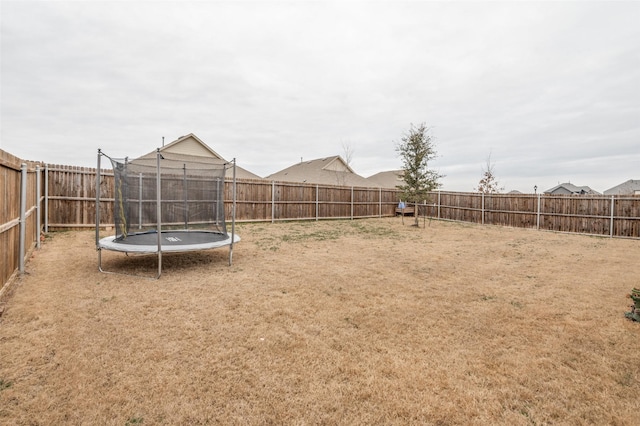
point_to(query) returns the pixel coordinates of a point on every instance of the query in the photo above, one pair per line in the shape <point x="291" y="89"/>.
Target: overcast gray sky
<point x="550" y="89"/>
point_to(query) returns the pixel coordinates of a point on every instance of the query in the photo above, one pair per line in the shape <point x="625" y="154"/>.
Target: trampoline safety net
<point x="191" y="194"/>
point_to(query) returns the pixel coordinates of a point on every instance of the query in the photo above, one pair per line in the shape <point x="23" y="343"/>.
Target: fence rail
<point x="59" y="197"/>
<point x="613" y="216"/>
<point x="72" y="195"/>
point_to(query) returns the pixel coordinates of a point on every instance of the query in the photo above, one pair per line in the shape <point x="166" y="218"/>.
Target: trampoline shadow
<point x="146" y="264"/>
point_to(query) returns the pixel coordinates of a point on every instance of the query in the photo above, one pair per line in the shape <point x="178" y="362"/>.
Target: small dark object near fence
<point x="635" y="308"/>
<point x="405" y="210"/>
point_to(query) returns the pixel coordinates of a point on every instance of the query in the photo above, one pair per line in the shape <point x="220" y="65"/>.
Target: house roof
<point x="571" y="189"/>
<point x="327" y="171"/>
<point x="191" y="148"/>
<point x="630" y="187"/>
<point x="191" y="145"/>
<point x="388" y="179"/>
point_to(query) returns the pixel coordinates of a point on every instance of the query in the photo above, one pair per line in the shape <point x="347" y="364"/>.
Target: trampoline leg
<point x="122" y="273"/>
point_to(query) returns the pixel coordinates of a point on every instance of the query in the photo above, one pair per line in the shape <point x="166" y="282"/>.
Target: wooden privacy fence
<point x="613" y="216"/>
<point x="64" y="197"/>
<point x="71" y="199"/>
<point x="72" y="195"/>
<point x="21" y="186"/>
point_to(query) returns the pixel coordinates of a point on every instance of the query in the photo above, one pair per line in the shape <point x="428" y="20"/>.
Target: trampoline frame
<point x="110" y="243"/>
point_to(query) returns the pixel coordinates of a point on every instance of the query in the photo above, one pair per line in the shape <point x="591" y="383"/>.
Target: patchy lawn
<point x="338" y="322"/>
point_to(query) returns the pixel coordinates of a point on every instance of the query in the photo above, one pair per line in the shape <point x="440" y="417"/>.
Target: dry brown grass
<point x="346" y="322"/>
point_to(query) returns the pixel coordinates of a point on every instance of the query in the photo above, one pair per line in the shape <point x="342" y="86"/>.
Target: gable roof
<point x="388" y="179"/>
<point x="571" y="189"/>
<point x="630" y="187"/>
<point x="189" y="147"/>
<point x="327" y="171"/>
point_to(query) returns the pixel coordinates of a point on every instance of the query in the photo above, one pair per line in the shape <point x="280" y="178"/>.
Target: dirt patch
<point x="337" y="322"/>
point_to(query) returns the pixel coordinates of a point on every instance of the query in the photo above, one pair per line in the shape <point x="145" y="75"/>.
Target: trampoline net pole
<point x="184" y="189"/>
<point x="159" y="210"/>
<point x="233" y="213"/>
<point x="139" y="200"/>
<point x="98" y="176"/>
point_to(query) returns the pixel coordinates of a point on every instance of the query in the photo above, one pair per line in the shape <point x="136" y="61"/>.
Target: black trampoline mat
<point x="172" y="238"/>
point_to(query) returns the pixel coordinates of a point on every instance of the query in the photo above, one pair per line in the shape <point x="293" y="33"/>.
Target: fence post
<point x="380" y="202"/>
<point x="538" y="214"/>
<point x="46" y="198"/>
<point x="23" y="209"/>
<point x="273" y="201"/>
<point x="317" y="201"/>
<point x="352" y="203"/>
<point x="611" y="220"/>
<point x="38" y="211"/>
<point x="439" y="204"/>
<point x="483" y="208"/>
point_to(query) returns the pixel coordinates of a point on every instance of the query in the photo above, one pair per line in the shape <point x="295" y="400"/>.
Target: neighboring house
<point x="325" y="171"/>
<point x="389" y="179"/>
<point x="630" y="187"/>
<point x="570" y="189"/>
<point x="191" y="146"/>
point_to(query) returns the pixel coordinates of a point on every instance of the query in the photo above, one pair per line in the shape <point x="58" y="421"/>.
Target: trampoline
<point x="165" y="203"/>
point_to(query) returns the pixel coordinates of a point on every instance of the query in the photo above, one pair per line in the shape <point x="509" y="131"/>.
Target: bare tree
<point x="488" y="182"/>
<point x="342" y="176"/>
<point x="348" y="152"/>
